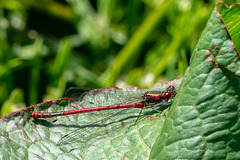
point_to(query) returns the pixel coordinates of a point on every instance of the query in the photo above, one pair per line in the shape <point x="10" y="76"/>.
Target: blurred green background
<point x="47" y="46"/>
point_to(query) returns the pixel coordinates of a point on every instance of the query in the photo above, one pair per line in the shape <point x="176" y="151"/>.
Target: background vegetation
<point x="48" y="45"/>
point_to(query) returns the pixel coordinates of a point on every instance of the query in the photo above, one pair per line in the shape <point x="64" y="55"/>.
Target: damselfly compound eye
<point x="168" y="95"/>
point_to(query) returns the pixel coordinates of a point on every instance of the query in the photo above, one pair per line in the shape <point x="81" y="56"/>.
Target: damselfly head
<point x="171" y="89"/>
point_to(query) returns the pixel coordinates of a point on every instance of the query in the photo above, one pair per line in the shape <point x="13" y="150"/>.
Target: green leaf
<point x="203" y="122"/>
<point x="22" y="137"/>
<point x="230" y="17"/>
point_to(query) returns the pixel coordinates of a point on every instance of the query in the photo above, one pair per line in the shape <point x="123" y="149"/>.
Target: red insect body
<point x="149" y="97"/>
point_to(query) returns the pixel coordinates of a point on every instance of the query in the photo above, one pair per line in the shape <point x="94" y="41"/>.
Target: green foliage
<point x="203" y="122"/>
<point x="230" y="18"/>
<point x="14" y="103"/>
<point x="47" y="46"/>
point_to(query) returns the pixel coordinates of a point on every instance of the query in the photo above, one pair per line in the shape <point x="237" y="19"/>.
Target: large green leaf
<point x="24" y="137"/>
<point x="203" y="122"/>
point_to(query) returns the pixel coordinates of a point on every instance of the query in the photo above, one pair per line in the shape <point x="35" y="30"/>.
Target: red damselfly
<point x="150" y="99"/>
